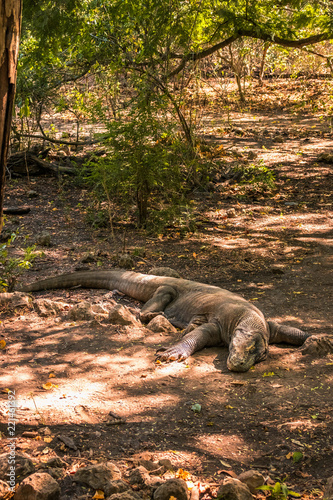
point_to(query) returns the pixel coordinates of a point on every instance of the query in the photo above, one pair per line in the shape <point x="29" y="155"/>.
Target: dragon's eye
<point x="251" y="348"/>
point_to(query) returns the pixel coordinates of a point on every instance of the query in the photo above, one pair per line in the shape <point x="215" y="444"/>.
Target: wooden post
<point x="10" y="26"/>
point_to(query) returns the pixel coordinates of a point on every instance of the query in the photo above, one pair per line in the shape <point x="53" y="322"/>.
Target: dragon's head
<point x="245" y="349"/>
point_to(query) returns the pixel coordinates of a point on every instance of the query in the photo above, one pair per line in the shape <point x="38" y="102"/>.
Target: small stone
<point x="139" y="476"/>
<point x="43" y="239"/>
<point x="318" y="345"/>
<point x="15" y="299"/>
<point x="164" y="271"/>
<point x="233" y="489"/>
<point x="38" y="486"/>
<point x="231" y="213"/>
<point x="149" y="464"/>
<point x="120" y="315"/>
<point x="172" y="488"/>
<point x="99" y="477"/>
<point x="56" y="472"/>
<point x="32" y="194"/>
<point x="277" y="269"/>
<point x="126" y="495"/>
<point x="125" y="261"/>
<point x="68" y="442"/>
<point x="117" y="486"/>
<point x="160" y="324"/>
<point x="56" y="462"/>
<point x="166" y="463"/>
<point x="88" y="258"/>
<point x="252" y="155"/>
<point x="328" y="493"/>
<point x="325" y="157"/>
<point x="252" y="479"/>
<point x="23" y="466"/>
<point x="81" y="312"/>
<point x="47" y="307"/>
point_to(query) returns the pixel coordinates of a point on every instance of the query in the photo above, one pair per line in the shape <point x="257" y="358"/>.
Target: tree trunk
<point x="10" y="24"/>
<point x="262" y="64"/>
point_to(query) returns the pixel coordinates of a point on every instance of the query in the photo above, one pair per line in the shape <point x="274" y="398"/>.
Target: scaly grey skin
<point x="210" y="315"/>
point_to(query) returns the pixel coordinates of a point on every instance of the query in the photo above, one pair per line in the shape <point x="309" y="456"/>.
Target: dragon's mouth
<point x="245" y="350"/>
<point x="236" y="364"/>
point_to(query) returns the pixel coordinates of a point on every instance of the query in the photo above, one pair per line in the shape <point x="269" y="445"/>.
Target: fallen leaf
<point x="297" y="456"/>
<point x="99" y="495"/>
<point x="225" y="463"/>
<point x="52" y="375"/>
<point x="49" y="386"/>
<point x="2" y="344"/>
<point x="183" y="474"/>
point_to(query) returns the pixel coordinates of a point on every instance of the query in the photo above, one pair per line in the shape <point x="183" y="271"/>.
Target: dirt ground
<point x="274" y="250"/>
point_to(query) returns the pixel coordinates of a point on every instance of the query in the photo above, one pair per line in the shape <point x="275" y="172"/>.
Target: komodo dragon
<point x="212" y="316"/>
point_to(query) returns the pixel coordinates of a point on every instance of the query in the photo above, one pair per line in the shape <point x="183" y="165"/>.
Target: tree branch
<point x="270" y="37"/>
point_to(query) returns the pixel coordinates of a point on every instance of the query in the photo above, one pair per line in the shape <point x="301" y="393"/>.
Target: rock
<point x="43" y="239"/>
<point x="325" y="157"/>
<point x="172" y="488"/>
<point x="149" y="465"/>
<point x="164" y="271"/>
<point x="32" y="194"/>
<point x="318" y="345"/>
<point x="87" y="258"/>
<point x="38" y="486"/>
<point x="120" y="315"/>
<point x="23" y="466"/>
<point x="125" y="261"/>
<point x="56" y="472"/>
<point x="277" y="269"/>
<point x="47" y="307"/>
<point x="99" y="309"/>
<point x="67" y="441"/>
<point x="252" y="479"/>
<point x="127" y="495"/>
<point x="55" y="462"/>
<point x="161" y="324"/>
<point x="139" y="476"/>
<point x="15" y="299"/>
<point x="4" y="490"/>
<point x="328" y="493"/>
<point x="117" y="486"/>
<point x="99" y="477"/>
<point x="81" y="312"/>
<point x="166" y="463"/>
<point x="231" y="213"/>
<point x="233" y="489"/>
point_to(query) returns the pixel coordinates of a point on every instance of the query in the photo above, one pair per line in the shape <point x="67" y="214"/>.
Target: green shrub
<point x="12" y="267"/>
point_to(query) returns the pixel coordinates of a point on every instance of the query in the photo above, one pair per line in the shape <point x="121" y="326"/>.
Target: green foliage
<point x="259" y="176"/>
<point x="279" y="491"/>
<point x="144" y="166"/>
<point x="12" y="267"/>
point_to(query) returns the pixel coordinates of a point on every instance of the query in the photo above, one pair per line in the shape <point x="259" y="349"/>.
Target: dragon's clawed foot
<point x="170" y="354"/>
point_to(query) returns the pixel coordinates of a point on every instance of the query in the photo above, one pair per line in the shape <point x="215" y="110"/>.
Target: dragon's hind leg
<point x="162" y="297"/>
